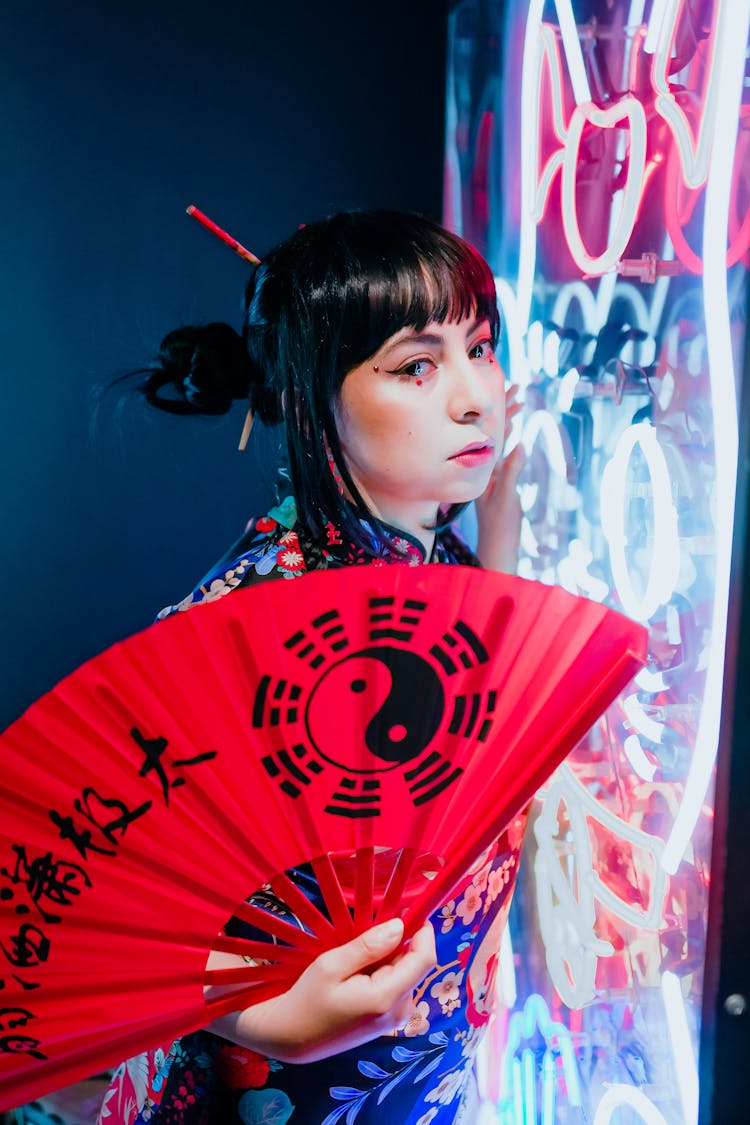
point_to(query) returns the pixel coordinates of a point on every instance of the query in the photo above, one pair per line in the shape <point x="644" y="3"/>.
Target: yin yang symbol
<point x="375" y="710"/>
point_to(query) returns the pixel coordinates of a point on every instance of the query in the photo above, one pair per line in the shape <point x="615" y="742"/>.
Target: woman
<point x="371" y="337"/>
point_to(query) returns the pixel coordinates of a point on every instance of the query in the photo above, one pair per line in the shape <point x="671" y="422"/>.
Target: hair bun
<point x="204" y="368"/>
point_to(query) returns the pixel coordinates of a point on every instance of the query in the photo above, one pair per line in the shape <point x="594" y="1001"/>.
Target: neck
<point x="416" y="522"/>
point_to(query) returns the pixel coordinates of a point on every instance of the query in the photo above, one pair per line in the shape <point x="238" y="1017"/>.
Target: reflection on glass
<point x="596" y="153"/>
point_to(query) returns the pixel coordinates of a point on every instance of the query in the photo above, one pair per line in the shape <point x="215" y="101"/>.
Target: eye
<point x="482" y="350"/>
<point x="416" y="369"/>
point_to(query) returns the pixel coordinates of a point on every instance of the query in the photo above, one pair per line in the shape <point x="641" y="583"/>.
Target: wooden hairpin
<point x="246" y="428"/>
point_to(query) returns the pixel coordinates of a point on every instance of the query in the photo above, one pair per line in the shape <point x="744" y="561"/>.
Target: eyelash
<point x="487" y="345"/>
<point x="408" y="371"/>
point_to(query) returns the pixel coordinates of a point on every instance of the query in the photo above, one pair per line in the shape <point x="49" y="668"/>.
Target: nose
<point x="476" y="389"/>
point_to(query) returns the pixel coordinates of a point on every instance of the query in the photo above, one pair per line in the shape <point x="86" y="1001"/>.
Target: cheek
<point x="374" y="421"/>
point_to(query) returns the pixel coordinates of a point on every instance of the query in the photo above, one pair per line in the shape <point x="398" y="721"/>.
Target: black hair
<point x="318" y="305"/>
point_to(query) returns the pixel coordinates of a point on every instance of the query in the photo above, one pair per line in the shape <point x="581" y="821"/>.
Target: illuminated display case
<point x="597" y="153"/>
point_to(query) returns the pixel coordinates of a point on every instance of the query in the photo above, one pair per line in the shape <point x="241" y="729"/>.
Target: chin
<point x="468" y="493"/>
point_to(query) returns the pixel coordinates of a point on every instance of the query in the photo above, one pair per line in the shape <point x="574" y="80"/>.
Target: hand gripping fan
<point x="374" y="727"/>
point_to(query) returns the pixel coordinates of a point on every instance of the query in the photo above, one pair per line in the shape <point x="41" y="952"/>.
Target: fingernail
<point x="390" y="930"/>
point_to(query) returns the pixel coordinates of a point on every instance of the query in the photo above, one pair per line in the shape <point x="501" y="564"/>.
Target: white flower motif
<point x="480" y="880"/>
<point x="473" y="1042"/>
<point x="448" y="916"/>
<point x="470" y="904"/>
<point x="218" y="589"/>
<point x="446" y="992"/>
<point x="418" y="1023"/>
<point x="426" y="1118"/>
<point x="104" y="1110"/>
<point x="291" y="559"/>
<point x="449" y="1088"/>
<point x="180" y="607"/>
<point x="138" y="1069"/>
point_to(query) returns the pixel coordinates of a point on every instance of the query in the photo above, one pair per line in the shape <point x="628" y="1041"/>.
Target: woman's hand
<point x="499" y="507"/>
<point x="336" y="1004"/>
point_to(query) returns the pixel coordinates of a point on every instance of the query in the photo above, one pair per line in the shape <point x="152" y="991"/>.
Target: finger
<point x="513" y="465"/>
<point x="367" y="949"/>
<point x="401" y="1011"/>
<point x="508" y="469"/>
<point x="510" y="416"/>
<point x="403" y="973"/>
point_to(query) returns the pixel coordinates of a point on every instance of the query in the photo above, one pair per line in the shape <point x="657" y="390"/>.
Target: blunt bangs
<point x="323" y="302"/>
<point x="407" y="274"/>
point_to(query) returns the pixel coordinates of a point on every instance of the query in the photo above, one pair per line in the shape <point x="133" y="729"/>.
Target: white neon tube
<point x="695" y="155"/>
<point x="665" y="553"/>
<point x="530" y="77"/>
<point x="635" y="15"/>
<point x="566" y="390"/>
<point x="637" y="758"/>
<point x="682" y="1047"/>
<point x="543" y="423"/>
<point x="573" y="55"/>
<point x="655" y="23"/>
<point x="514" y="329"/>
<point x="626" y="108"/>
<point x="621" y="1096"/>
<point x="730" y="56"/>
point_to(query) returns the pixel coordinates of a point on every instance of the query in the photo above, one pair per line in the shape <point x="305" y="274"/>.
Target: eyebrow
<point x="430" y="337"/>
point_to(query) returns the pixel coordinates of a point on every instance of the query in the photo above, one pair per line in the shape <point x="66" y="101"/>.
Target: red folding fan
<point x="376" y="728"/>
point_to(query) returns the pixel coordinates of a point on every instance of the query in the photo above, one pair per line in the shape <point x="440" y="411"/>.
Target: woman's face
<point x="421" y="423"/>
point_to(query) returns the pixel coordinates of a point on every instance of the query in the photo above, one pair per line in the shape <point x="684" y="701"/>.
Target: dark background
<point x="114" y="118"/>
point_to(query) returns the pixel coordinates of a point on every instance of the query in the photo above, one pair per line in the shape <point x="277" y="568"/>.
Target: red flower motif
<point x="292" y="560"/>
<point x="265" y="523"/>
<point x="333" y="535"/>
<point x="241" y="1069"/>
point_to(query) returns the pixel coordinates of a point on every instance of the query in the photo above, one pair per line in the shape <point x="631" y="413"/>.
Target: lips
<point x="476" y="447"/>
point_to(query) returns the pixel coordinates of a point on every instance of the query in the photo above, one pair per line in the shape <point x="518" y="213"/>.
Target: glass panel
<point x="597" y="154"/>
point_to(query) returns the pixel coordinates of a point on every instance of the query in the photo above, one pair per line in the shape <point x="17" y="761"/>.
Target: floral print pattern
<point x="422" y="1074"/>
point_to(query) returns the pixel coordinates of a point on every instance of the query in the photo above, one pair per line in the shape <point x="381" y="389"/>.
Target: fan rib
<point x="271" y="952"/>
<point x="287" y="891"/>
<point x="391" y="903"/>
<point x="363" y="894"/>
<point x="263" y="920"/>
<point x="333" y="896"/>
<point x="89" y="805"/>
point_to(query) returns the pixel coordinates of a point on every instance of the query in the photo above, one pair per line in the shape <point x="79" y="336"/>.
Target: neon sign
<point x="690" y="136"/>
<point x="628" y="498"/>
<point x="664" y="564"/>
<point x="520" y="1090"/>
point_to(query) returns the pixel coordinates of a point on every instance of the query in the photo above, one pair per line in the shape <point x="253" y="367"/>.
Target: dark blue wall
<point x="114" y="118"/>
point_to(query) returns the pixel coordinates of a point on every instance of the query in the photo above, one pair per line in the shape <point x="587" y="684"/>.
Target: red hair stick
<point x="222" y="234"/>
